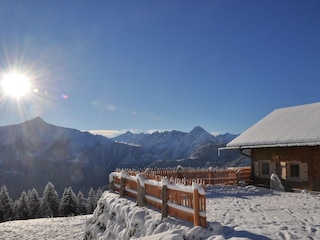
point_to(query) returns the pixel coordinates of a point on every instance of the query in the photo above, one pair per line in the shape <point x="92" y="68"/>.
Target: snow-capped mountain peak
<point x="197" y="132"/>
<point x="170" y="144"/>
<point x="38" y="152"/>
<point x="36" y="148"/>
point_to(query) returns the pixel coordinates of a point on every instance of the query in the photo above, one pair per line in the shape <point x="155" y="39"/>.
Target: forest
<point x="30" y="205"/>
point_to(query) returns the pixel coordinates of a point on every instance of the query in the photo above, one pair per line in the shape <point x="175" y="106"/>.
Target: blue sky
<point x="144" y="65"/>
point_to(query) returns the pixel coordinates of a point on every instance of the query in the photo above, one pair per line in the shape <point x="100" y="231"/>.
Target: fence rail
<point x="185" y="202"/>
<point x="229" y="176"/>
<point x="175" y="192"/>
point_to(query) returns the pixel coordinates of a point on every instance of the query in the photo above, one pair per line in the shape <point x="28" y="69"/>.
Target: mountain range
<point x="170" y="145"/>
<point x="35" y="152"/>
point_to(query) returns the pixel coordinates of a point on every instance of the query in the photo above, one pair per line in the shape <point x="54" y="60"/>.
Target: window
<point x="294" y="171"/>
<point x="264" y="168"/>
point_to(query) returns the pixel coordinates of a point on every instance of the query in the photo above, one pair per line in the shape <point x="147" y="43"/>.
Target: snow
<point x="232" y="213"/>
<point x="275" y="183"/>
<point x="291" y="126"/>
<point x="258" y="213"/>
<point x="44" y="228"/>
<point x="164" y="181"/>
<point x="172" y="144"/>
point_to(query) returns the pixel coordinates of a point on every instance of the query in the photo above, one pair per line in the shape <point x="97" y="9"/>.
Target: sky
<point x="159" y="65"/>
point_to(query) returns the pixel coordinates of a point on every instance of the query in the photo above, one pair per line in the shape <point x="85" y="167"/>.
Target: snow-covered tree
<point x="50" y="201"/>
<point x="6" y="205"/>
<point x="68" y="203"/>
<point x="15" y="210"/>
<point x="34" y="203"/>
<point x="91" y="201"/>
<point x="81" y="202"/>
<point x="98" y="194"/>
<point x="23" y="206"/>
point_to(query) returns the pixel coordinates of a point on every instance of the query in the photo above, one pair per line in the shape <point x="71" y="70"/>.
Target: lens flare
<point x="64" y="96"/>
<point x="16" y="85"/>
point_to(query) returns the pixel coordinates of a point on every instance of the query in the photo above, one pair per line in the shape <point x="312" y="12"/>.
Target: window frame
<point x="286" y="171"/>
<point x="259" y="165"/>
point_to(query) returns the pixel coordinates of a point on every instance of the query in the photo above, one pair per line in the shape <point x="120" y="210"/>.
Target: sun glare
<point x="15" y="85"/>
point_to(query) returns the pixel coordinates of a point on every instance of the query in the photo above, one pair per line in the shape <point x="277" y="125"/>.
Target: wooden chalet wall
<point x="308" y="156"/>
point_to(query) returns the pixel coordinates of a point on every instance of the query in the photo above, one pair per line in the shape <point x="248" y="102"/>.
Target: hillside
<point x="35" y="152"/>
<point x="232" y="213"/>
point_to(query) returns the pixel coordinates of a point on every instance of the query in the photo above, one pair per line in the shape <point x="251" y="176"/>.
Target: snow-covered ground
<point x="45" y="228"/>
<point x="259" y="213"/>
<point x="232" y="213"/>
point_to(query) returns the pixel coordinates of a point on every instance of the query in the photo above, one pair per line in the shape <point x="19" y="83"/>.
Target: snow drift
<point x="120" y="218"/>
<point x="232" y="213"/>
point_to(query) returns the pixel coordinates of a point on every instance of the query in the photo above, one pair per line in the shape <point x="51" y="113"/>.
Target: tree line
<point x="31" y="205"/>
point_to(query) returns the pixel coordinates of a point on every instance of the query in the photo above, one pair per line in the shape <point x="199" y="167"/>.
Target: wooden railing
<point x="175" y="192"/>
<point x="243" y="174"/>
<point x="187" y="202"/>
<point x="214" y="176"/>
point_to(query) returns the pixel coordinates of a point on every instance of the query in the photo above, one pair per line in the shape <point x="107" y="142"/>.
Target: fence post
<point x="210" y="176"/>
<point x="141" y="190"/>
<point x="122" y="183"/>
<point x="238" y="175"/>
<point x="164" y="184"/>
<point x="196" y="207"/>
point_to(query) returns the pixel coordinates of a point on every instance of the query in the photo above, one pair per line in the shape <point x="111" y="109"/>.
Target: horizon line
<point x="111" y="133"/>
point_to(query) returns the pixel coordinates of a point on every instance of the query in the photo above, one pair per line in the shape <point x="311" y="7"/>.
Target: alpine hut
<point x="285" y="142"/>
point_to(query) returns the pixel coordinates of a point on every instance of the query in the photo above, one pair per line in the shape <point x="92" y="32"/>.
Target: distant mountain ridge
<point x="174" y="144"/>
<point x="40" y="134"/>
<point x="35" y="152"/>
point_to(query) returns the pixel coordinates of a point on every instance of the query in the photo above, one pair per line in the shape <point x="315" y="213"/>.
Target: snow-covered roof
<point x="284" y="127"/>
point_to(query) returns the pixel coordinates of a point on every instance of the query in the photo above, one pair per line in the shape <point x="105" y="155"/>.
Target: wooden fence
<point x="214" y="176"/>
<point x="185" y="202"/>
<point x="175" y="192"/>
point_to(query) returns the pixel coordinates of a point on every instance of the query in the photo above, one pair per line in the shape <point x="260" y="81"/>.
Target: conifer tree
<point x="15" y="210"/>
<point x="98" y="194"/>
<point x="81" y="203"/>
<point x="23" y="206"/>
<point x="91" y="201"/>
<point x="68" y="203"/>
<point x="6" y="205"/>
<point x="50" y="201"/>
<point x="34" y="203"/>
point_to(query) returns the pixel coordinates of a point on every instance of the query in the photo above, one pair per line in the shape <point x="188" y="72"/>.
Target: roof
<point x="284" y="127"/>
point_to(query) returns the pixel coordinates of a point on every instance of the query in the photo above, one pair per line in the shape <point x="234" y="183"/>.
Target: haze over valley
<point x="35" y="152"/>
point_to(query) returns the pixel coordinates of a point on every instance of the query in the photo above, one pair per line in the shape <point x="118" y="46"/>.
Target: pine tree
<point x="98" y="194"/>
<point x="6" y="205"/>
<point x="91" y="201"/>
<point x="50" y="201"/>
<point x="23" y="207"/>
<point x="34" y="203"/>
<point x="81" y="202"/>
<point x="15" y="210"/>
<point x="68" y="204"/>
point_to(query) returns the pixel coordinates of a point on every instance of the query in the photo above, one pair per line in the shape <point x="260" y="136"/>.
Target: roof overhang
<point x="275" y="145"/>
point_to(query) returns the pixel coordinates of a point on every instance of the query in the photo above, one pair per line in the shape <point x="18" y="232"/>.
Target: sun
<point x="16" y="84"/>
